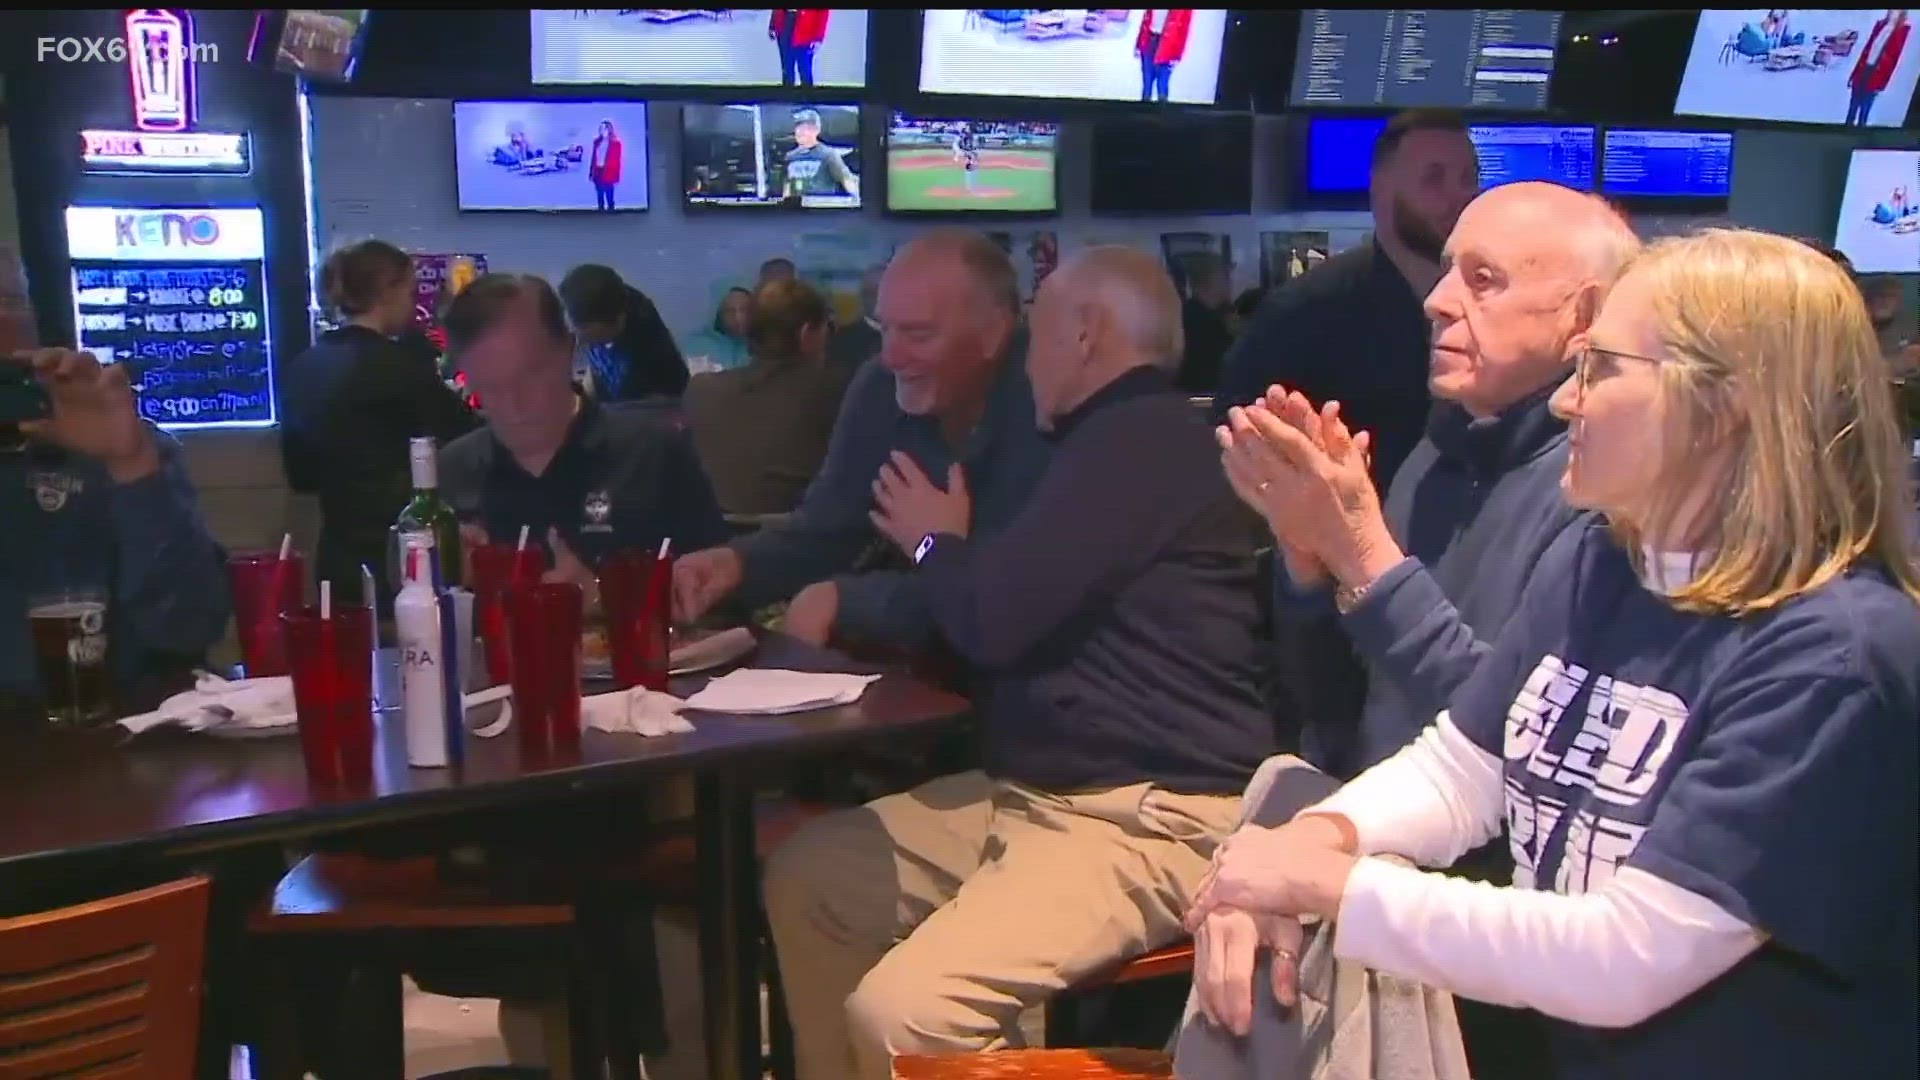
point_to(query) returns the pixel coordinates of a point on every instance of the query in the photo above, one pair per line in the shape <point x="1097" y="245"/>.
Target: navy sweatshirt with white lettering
<point x="1766" y="763"/>
<point x="1116" y="618"/>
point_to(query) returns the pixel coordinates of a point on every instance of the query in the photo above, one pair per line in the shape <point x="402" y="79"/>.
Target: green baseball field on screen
<point x="930" y="178"/>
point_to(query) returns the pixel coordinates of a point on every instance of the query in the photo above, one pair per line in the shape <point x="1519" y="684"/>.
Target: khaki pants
<point x="929" y="922"/>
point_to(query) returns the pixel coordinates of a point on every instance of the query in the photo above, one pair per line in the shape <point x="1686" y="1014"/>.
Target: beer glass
<point x="70" y="645"/>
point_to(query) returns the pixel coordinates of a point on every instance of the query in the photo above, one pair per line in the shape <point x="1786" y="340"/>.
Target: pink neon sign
<point x="160" y="62"/>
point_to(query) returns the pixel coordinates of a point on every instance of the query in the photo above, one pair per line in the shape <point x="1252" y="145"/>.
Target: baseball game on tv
<point x="942" y="166"/>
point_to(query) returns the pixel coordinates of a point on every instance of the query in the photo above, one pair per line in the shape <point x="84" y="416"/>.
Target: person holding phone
<point x="96" y="500"/>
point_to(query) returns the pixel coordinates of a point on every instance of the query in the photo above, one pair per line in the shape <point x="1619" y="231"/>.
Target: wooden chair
<point x="1039" y="1065"/>
<point x="1064" y="1024"/>
<point x="108" y="988"/>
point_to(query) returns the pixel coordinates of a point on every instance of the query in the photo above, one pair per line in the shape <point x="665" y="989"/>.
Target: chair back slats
<point x="107" y="989"/>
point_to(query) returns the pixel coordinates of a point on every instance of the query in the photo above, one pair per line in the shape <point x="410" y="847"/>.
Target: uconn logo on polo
<point x="1578" y="805"/>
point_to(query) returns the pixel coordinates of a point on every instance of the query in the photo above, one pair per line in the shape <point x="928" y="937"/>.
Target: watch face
<point x="926" y="545"/>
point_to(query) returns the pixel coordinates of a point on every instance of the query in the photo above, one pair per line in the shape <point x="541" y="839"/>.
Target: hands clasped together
<point x="1303" y="471"/>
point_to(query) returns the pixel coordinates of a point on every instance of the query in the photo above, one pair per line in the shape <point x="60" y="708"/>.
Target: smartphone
<point x="21" y="395"/>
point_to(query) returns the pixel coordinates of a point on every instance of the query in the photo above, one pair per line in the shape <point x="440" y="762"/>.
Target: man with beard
<point x="1352" y="330"/>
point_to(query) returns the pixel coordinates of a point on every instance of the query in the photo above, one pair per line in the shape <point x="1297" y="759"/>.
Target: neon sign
<point x="160" y="62"/>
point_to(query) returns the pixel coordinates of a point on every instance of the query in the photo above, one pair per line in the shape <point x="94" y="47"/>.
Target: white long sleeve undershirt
<point x="1609" y="958"/>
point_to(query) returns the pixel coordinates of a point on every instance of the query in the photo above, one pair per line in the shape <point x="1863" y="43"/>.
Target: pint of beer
<point x="70" y="643"/>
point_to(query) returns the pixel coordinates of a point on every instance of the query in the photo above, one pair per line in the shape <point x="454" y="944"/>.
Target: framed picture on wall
<point x="1183" y="251"/>
<point x="1286" y="255"/>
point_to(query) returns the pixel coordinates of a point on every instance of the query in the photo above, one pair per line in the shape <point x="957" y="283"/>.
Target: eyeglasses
<point x="1583" y="368"/>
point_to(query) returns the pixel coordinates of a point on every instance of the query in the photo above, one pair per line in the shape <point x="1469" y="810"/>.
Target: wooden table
<point x="75" y="801"/>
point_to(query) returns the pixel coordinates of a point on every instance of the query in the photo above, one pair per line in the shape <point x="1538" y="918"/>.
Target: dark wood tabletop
<point x="95" y="796"/>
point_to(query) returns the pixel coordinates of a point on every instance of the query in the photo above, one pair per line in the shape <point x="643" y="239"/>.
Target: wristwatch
<point x="920" y="552"/>
<point x="1346" y="597"/>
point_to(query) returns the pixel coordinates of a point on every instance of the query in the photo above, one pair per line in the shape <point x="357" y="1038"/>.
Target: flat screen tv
<point x="1855" y="68"/>
<point x="713" y="47"/>
<point x="1400" y="59"/>
<point x="967" y="166"/>
<point x="1340" y="153"/>
<point x="1657" y="163"/>
<point x="1087" y="55"/>
<point x="1159" y="163"/>
<point x="550" y="155"/>
<point x="766" y="154"/>
<point x="1879" y="226"/>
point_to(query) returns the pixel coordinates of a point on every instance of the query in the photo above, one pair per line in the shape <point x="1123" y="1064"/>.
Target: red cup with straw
<point x="266" y="585"/>
<point x="495" y="568"/>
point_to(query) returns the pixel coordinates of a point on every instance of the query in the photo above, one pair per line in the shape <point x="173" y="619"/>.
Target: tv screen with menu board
<point x="766" y="154"/>
<point x="712" y="47"/>
<point x="1855" y="68"/>
<point x="550" y="155"/>
<point x="1879" y="225"/>
<point x="315" y="43"/>
<point x="964" y="166"/>
<point x="1400" y="59"/>
<point x="1656" y="163"/>
<point x="1340" y="153"/>
<point x="1076" y="54"/>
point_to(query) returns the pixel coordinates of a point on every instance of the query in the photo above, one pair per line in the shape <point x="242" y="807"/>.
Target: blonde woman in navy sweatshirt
<point x="1699" y="730"/>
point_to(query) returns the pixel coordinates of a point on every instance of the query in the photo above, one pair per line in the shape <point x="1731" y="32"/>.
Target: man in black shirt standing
<point x="1352" y="330"/>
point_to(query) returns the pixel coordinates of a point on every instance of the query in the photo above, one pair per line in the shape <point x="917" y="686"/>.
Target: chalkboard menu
<point x="180" y="297"/>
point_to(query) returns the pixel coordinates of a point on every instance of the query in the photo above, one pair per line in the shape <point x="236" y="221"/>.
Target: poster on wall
<point x="436" y="278"/>
<point x="180" y="297"/>
<point x="1286" y="255"/>
<point x="1182" y="249"/>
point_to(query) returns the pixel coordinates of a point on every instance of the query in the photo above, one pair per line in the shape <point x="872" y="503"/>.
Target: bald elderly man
<point x="1113" y="623"/>
<point x="1424" y="582"/>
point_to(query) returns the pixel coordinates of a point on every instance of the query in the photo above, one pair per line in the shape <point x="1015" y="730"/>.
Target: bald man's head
<point x="948" y="306"/>
<point x="1526" y="270"/>
<point x="1106" y="311"/>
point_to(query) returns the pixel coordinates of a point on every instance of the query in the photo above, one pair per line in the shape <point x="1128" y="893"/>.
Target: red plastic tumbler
<point x="495" y="566"/>
<point x="543" y="633"/>
<point x="333" y="691"/>
<point x="265" y="587"/>
<point x="636" y="588"/>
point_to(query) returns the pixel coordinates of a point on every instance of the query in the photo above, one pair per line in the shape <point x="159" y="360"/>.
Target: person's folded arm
<point x="171" y="582"/>
<point x="1435" y="800"/>
<point x="1107" y="503"/>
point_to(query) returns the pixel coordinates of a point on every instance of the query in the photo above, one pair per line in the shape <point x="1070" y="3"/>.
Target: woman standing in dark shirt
<point x="350" y="403"/>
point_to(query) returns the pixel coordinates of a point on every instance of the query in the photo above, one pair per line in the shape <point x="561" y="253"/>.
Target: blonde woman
<point x="1699" y="730"/>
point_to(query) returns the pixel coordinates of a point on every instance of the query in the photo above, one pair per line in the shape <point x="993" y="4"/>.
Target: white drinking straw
<point x="522" y="545"/>
<point x="666" y="544"/>
<point x="286" y="546"/>
<point x="326" y="600"/>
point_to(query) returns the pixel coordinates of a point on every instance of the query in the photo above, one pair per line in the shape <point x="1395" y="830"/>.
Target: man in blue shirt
<point x="949" y="388"/>
<point x="94" y="498"/>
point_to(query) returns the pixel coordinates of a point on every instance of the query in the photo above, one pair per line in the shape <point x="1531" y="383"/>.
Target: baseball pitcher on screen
<point x="966" y="154"/>
<point x="813" y="167"/>
<point x="1161" y="43"/>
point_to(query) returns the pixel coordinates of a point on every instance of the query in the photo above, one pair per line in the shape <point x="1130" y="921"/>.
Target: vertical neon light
<point x="160" y="63"/>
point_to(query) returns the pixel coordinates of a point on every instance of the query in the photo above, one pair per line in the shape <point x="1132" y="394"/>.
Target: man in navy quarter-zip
<point x="1114" y="623"/>
<point x="1424" y="584"/>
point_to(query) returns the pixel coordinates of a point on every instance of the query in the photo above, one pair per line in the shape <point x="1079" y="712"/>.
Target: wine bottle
<point x="429" y="512"/>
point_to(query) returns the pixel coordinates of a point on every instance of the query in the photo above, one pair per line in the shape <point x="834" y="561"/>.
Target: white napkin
<point x="228" y="707"/>
<point x="638" y="711"/>
<point x="770" y="692"/>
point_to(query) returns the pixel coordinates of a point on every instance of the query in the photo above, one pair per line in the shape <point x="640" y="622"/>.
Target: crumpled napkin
<point x="773" y="691"/>
<point x="638" y="711"/>
<point x="224" y="706"/>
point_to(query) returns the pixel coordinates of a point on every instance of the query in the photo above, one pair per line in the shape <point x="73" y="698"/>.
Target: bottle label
<point x="424" y="461"/>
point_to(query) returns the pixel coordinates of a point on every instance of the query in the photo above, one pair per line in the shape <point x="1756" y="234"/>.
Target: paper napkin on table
<point x="638" y="711"/>
<point x="771" y="691"/>
<point x="223" y="706"/>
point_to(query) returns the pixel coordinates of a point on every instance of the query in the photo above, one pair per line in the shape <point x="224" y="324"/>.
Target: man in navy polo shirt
<point x="585" y="479"/>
